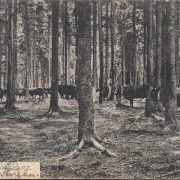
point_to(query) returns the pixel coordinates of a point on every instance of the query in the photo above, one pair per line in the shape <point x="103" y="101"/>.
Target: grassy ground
<point x="143" y="150"/>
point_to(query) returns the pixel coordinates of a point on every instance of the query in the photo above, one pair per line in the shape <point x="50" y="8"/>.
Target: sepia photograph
<point x="89" y="89"/>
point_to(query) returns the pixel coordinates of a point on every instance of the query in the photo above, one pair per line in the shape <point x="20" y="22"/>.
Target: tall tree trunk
<point x="101" y="78"/>
<point x="107" y="41"/>
<point x="134" y="70"/>
<point x="10" y="101"/>
<point x="123" y="66"/>
<point x="66" y="42"/>
<point x="177" y="42"/>
<point x="145" y="43"/>
<point x="54" y="81"/>
<point x="112" y="52"/>
<point x="76" y="25"/>
<point x="148" y="107"/>
<point x="123" y="55"/>
<point x="27" y="48"/>
<point x="15" y="49"/>
<point x="164" y="44"/>
<point x="35" y="60"/>
<point x="49" y="52"/>
<point x="158" y="44"/>
<point x="171" y="105"/>
<point x="6" y="47"/>
<point x="86" y="129"/>
<point x="30" y="64"/>
<point x="86" y="107"/>
<point x="94" y="46"/>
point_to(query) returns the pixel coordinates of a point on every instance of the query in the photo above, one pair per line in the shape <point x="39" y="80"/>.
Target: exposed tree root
<point x="79" y="148"/>
<point x="158" y="118"/>
<point x="12" y="108"/>
<point x="74" y="153"/>
<point x="101" y="148"/>
<point x="138" y="116"/>
<point x="97" y="138"/>
<point x="52" y="113"/>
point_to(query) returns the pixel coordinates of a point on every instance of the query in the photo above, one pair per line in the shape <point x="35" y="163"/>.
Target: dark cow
<point x="1" y="94"/>
<point x="5" y="91"/>
<point x="36" y="92"/>
<point x="72" y="91"/>
<point x="105" y="92"/>
<point x="21" y="93"/>
<point x="62" y="90"/>
<point x="97" y="89"/>
<point x="130" y="93"/>
<point x="67" y="91"/>
<point x="47" y="91"/>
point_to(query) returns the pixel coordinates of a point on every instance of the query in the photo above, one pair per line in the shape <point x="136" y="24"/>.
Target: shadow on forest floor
<point x="143" y="152"/>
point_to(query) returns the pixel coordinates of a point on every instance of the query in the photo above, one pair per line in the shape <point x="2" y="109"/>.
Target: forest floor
<point x="144" y="150"/>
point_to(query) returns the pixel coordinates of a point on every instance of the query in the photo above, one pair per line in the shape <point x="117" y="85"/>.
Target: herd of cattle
<point x="70" y="92"/>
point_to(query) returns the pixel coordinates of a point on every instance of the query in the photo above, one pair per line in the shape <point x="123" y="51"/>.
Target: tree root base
<point x="53" y="113"/>
<point x="83" y="142"/>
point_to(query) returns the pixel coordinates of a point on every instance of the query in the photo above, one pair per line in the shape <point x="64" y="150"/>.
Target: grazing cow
<point x="130" y="93"/>
<point x="69" y="91"/>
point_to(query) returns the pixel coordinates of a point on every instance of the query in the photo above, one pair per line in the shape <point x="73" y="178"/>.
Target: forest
<point x="91" y="88"/>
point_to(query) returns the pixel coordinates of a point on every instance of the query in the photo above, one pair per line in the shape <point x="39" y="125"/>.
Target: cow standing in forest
<point x="69" y="91"/>
<point x="132" y="92"/>
<point x="105" y="92"/>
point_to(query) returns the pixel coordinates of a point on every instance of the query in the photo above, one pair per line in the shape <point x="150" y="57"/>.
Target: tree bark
<point x="164" y="43"/>
<point x="134" y="44"/>
<point x="85" y="99"/>
<point x="66" y="42"/>
<point x="101" y="78"/>
<point x="77" y="49"/>
<point x="10" y="101"/>
<point x="112" y="52"/>
<point x="171" y="105"/>
<point x="148" y="106"/>
<point x="6" y="47"/>
<point x="35" y="60"/>
<point x="54" y="81"/>
<point x="145" y="44"/>
<point x="94" y="47"/>
<point x="177" y="42"/>
<point x="27" y="48"/>
<point x="158" y="44"/>
<point x="107" y="41"/>
<point x="15" y="49"/>
<point x="49" y="52"/>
